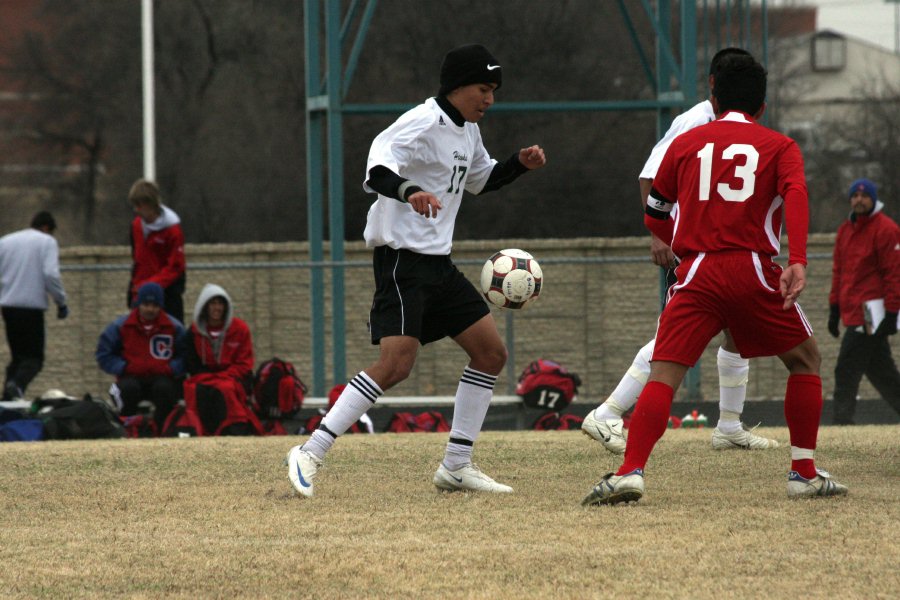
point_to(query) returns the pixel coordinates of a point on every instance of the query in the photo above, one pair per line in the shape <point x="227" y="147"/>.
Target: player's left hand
<point x="532" y="157"/>
<point x="792" y="282"/>
<point x="425" y="203"/>
<point x="661" y="253"/>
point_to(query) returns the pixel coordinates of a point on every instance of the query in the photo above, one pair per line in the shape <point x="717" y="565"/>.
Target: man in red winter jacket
<point x="865" y="274"/>
<point x="157" y="247"/>
<point x="143" y="349"/>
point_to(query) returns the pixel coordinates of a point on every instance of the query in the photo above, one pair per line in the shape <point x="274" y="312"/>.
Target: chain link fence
<point x="599" y="305"/>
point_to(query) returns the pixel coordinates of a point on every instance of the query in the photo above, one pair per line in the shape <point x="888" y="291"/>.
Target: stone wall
<point x="599" y="306"/>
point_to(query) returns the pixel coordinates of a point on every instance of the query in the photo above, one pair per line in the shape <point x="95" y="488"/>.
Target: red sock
<point x="802" y="411"/>
<point x="648" y="424"/>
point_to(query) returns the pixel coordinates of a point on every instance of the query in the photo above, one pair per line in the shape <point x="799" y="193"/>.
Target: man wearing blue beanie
<point x="865" y="295"/>
<point x="143" y="350"/>
<point x="151" y="293"/>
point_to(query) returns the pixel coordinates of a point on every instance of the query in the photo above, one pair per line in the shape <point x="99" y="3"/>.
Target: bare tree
<point x="231" y="150"/>
<point x="230" y="99"/>
<point x="79" y="76"/>
<point x="860" y="142"/>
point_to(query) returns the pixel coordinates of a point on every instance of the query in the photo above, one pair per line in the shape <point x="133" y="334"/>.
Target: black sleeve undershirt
<point x="387" y="183"/>
<point x="503" y="173"/>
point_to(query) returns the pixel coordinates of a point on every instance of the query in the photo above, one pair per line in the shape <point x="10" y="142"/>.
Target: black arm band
<point x="503" y="173"/>
<point x="658" y="206"/>
<point x="656" y="214"/>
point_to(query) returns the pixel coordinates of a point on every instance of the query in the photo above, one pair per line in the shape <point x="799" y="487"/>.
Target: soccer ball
<point x="511" y="279"/>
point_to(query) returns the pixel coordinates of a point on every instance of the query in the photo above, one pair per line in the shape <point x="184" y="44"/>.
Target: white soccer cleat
<point x="820" y="485"/>
<point x="302" y="467"/>
<point x="469" y="478"/>
<point x="613" y="489"/>
<point x="744" y="439"/>
<point x="609" y="433"/>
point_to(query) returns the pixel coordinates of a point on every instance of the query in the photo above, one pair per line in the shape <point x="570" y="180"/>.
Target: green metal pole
<point x="689" y="53"/>
<point x="314" y="193"/>
<point x="336" y="188"/>
<point x="636" y="42"/>
<point x="356" y="50"/>
<point x="663" y="27"/>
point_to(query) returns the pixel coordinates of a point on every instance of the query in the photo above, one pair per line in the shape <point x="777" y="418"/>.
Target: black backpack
<point x="85" y="419"/>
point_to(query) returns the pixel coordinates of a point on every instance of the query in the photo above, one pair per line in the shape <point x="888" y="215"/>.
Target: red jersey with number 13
<point x="733" y="180"/>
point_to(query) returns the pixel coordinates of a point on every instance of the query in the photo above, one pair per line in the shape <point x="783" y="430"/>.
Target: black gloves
<point x="888" y="325"/>
<point x="834" y="319"/>
<point x="63" y="311"/>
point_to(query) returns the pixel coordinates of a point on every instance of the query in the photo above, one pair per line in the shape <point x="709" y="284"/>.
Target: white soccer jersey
<point x="699" y="114"/>
<point x="426" y="147"/>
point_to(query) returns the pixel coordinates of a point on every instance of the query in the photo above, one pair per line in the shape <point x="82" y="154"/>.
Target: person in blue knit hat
<point x="865" y="296"/>
<point x="143" y="349"/>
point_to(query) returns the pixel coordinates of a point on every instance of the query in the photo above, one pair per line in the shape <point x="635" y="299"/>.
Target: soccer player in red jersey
<point x="734" y="181"/>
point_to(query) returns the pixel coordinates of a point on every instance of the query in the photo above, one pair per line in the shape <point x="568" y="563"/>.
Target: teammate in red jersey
<point x="734" y="182"/>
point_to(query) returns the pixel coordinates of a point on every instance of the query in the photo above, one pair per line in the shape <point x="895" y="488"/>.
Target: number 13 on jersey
<point x="745" y="172"/>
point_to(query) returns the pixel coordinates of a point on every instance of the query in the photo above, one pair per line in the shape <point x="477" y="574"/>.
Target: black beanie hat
<point x="44" y="219"/>
<point x="466" y="65"/>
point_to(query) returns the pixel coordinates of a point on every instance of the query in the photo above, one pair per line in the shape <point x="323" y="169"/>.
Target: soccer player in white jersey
<point x="419" y="167"/>
<point x="604" y="423"/>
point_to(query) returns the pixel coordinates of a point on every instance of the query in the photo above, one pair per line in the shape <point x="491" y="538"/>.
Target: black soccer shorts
<point x="422" y="296"/>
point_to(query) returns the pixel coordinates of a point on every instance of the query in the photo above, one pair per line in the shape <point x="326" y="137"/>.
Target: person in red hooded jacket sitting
<point x="219" y="361"/>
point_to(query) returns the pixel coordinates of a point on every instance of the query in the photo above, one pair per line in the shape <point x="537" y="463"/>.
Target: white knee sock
<point x="734" y="372"/>
<point x="473" y="397"/>
<point x="626" y="393"/>
<point x="358" y="397"/>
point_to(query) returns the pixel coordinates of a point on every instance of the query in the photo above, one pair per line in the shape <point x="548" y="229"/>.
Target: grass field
<point x="214" y="517"/>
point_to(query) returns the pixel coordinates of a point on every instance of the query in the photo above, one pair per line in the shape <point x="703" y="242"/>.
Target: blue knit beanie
<point x="865" y="186"/>
<point x="150" y="292"/>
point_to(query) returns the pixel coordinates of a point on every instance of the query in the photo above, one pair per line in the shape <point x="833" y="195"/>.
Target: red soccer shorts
<point x="735" y="290"/>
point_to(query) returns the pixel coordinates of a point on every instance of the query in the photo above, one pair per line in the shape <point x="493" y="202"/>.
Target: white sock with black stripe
<point x="473" y="397"/>
<point x="358" y="397"/>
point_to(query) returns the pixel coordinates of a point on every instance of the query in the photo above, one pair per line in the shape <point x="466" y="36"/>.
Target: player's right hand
<point x="425" y="203"/>
<point x="792" y="282"/>
<point x="661" y="253"/>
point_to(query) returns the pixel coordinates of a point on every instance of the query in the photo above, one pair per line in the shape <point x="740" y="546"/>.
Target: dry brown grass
<point x="213" y="518"/>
